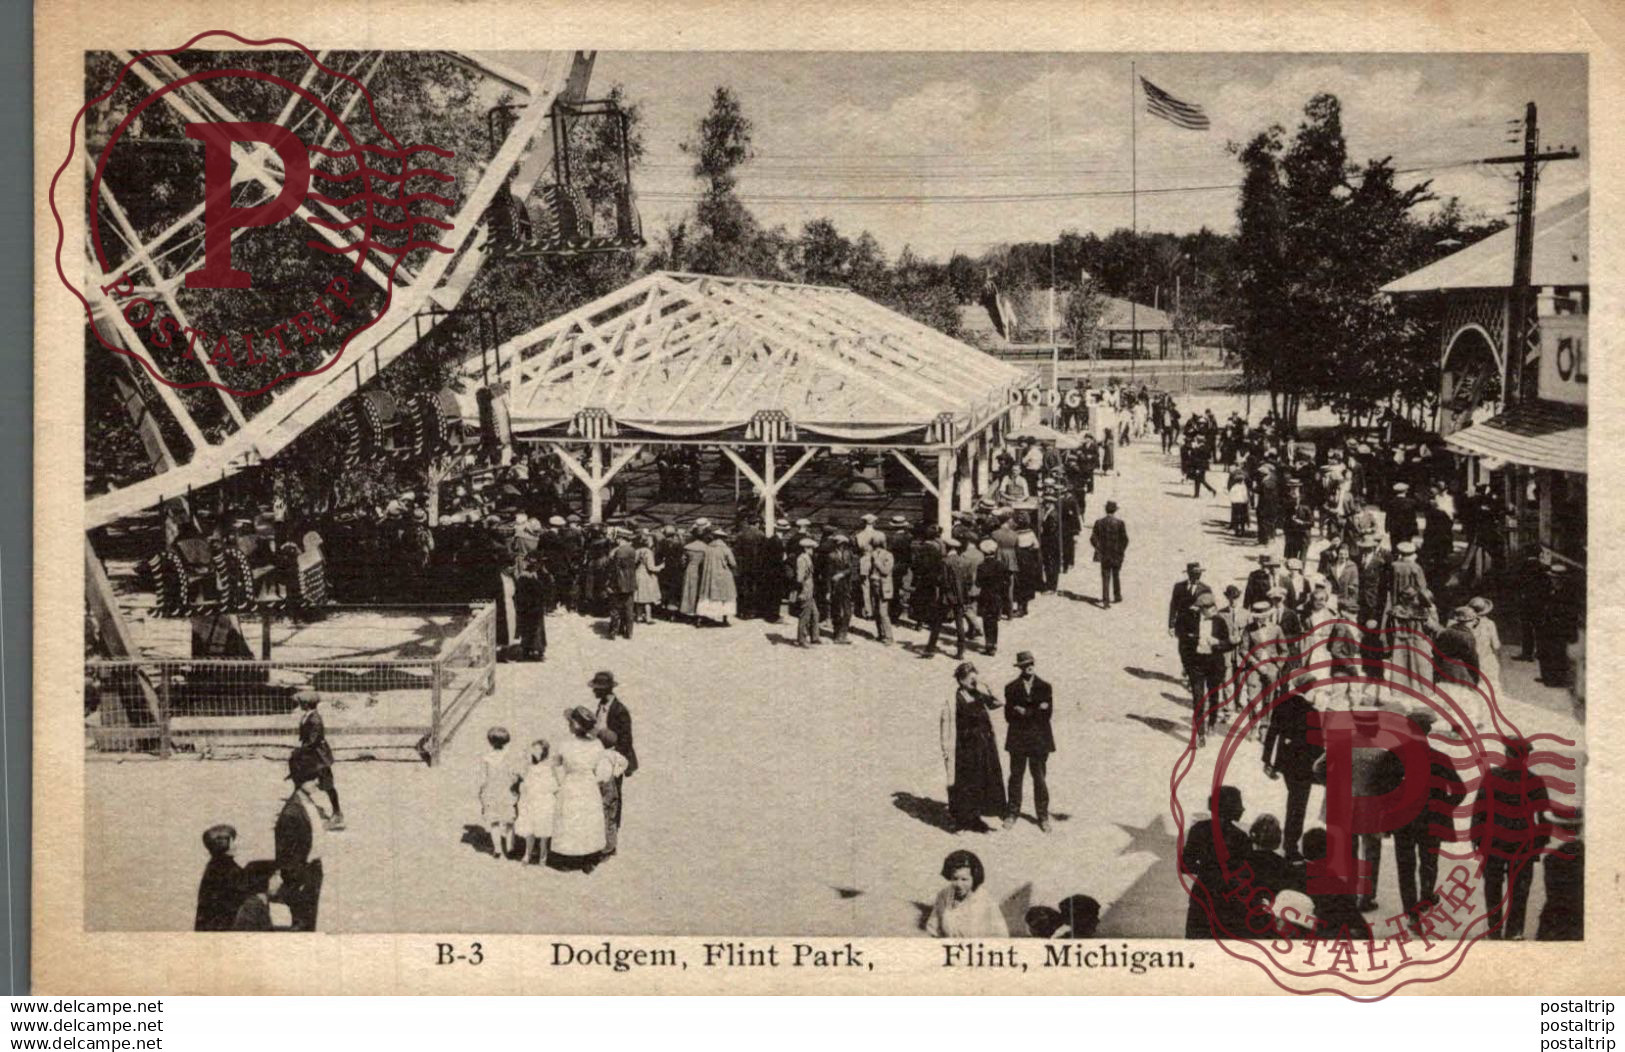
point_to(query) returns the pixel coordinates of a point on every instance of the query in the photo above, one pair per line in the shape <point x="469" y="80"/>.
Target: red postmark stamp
<point x="1412" y="750"/>
<point x="248" y="213"/>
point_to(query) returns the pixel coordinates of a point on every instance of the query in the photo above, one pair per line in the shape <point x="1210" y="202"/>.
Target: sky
<point x="967" y="151"/>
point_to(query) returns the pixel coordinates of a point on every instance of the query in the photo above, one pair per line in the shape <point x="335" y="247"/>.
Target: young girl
<point x="538" y="795"/>
<point x="499" y="793"/>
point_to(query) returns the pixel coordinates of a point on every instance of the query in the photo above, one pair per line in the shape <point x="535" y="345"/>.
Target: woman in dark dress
<point x="530" y="601"/>
<point x="970" y="753"/>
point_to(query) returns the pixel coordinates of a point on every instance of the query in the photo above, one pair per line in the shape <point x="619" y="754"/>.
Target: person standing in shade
<point x="220" y="892"/>
<point x="622" y="586"/>
<point x="1416" y="847"/>
<point x="612" y="715"/>
<point x="300" y="836"/>
<point x="842" y="572"/>
<point x="806" y="596"/>
<point x="1109" y="539"/>
<point x="970" y="754"/>
<point x="992" y="596"/>
<point x="1509" y="807"/>
<point x="1029" y="704"/>
<point x="875" y="571"/>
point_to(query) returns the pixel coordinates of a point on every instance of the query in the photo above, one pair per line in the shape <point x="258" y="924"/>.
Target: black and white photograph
<point x="827" y="493"/>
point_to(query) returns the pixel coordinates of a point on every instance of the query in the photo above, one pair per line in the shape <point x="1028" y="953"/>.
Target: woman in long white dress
<point x="583" y="763"/>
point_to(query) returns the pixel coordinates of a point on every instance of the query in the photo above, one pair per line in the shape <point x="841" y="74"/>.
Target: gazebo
<point x="691" y="359"/>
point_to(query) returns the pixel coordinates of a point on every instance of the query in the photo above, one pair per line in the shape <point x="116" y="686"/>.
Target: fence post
<point x="490" y="654"/>
<point x="434" y="714"/>
<point x="163" y="712"/>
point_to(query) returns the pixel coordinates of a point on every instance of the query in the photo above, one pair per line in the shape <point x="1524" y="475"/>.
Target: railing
<point x="211" y="707"/>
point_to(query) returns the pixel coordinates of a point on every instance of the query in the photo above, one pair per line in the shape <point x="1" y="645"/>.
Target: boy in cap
<point x="807" y="631"/>
<point x="313" y="738"/>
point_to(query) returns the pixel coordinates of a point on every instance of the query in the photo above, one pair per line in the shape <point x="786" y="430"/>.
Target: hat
<point x="841" y="538"/>
<point x="580" y="716"/>
<point x="419" y="515"/>
<point x="1463" y="613"/>
<point x="1406" y="547"/>
<point x="702" y="523"/>
<point x="1260" y="606"/>
<point x="950" y="541"/>
<point x="1481" y="606"/>
<point x="1111" y="506"/>
<point x="898" y="520"/>
<point x="868" y="516"/>
<point x="1294" y="907"/>
<point x="1558" y="568"/>
<point x="808" y="542"/>
<point x="572" y="518"/>
<point x="556" y="520"/>
<point x="1401" y="487"/>
<point x="781" y="524"/>
<point x="1231" y="591"/>
<point x="1267" y="559"/>
<point x="602" y="679"/>
<point x="1367" y="540"/>
<point x="989" y="546"/>
<point x="1193" y="567"/>
<point x="803" y="523"/>
<point x="1023" y="658"/>
<point x="394" y="507"/>
<point x="1277" y="592"/>
<point x="1294" y="564"/>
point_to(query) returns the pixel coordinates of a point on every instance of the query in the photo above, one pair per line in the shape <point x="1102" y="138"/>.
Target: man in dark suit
<point x="1260" y="581"/>
<point x="1288" y="754"/>
<point x="1204" y="639"/>
<point x="1029" y="702"/>
<point x="1109" y="539"/>
<point x="1416" y="849"/>
<point x="1503" y="837"/>
<point x="1185" y="593"/>
<point x="1401" y="514"/>
<point x="621" y="584"/>
<point x="612" y="715"/>
<point x="749" y="551"/>
<point x="300" y="835"/>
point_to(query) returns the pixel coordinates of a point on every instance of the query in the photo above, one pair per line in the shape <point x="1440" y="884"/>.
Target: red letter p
<point x="220" y="217"/>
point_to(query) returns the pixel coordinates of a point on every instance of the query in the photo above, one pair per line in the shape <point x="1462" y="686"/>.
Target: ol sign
<point x="1563" y="366"/>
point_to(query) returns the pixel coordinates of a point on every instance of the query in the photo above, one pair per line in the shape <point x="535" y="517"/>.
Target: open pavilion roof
<point x="688" y="355"/>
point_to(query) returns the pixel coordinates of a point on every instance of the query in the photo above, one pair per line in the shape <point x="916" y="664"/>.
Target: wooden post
<point x="945" y="490"/>
<point x="596" y="486"/>
<point x="265" y="634"/>
<point x="164" y="743"/>
<point x="770" y="492"/>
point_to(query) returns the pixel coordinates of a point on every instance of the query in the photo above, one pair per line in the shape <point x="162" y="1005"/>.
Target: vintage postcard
<point x="924" y="498"/>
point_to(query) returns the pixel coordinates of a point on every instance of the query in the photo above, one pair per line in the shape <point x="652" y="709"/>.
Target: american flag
<point x="1161" y="104"/>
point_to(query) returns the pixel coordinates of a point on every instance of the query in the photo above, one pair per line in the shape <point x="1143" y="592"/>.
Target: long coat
<point x="1027" y="710"/>
<point x="694" y="556"/>
<point x="717" y="574"/>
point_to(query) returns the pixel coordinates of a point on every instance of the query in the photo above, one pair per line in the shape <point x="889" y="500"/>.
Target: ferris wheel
<point x="193" y="440"/>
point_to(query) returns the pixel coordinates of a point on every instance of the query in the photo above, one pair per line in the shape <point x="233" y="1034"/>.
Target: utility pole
<point x="1523" y="316"/>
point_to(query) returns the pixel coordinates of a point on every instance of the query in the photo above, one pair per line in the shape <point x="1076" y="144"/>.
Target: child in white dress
<point x="499" y="792"/>
<point x="538" y="797"/>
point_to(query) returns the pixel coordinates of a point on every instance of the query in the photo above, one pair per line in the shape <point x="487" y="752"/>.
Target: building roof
<point x="1030" y="311"/>
<point x="1534" y="434"/>
<point x="1561" y="256"/>
<point x="686" y="355"/>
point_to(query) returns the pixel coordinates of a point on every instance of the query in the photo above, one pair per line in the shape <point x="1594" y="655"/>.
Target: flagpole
<point x="1134" y="213"/>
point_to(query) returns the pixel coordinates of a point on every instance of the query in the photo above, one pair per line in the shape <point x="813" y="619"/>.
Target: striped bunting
<point x="1159" y="103"/>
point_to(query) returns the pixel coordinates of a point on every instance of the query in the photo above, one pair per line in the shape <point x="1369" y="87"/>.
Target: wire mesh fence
<point x="217" y="707"/>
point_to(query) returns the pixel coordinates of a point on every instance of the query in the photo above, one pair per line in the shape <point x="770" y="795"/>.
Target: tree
<point x="1084" y="307"/>
<point x="965" y="278"/>
<point x="727" y="239"/>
